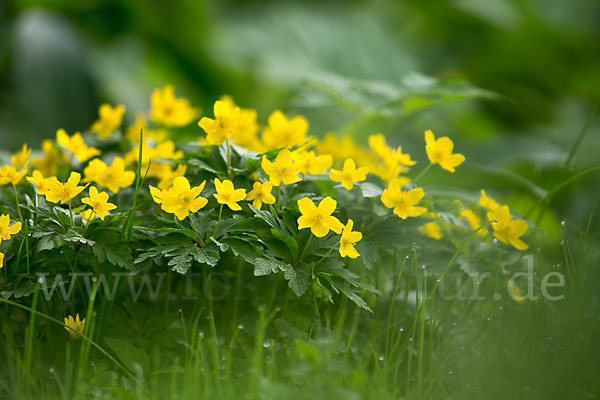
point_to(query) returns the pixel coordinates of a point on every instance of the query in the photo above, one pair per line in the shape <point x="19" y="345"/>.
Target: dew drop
<point x="563" y="223"/>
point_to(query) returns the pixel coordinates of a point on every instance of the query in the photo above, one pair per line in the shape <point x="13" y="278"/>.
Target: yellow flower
<point x="133" y="131"/>
<point x="319" y="218"/>
<point x="9" y="174"/>
<point x="1" y="260"/>
<point x="114" y="177"/>
<point x="182" y="199"/>
<point x="41" y="184"/>
<point x="166" y="180"/>
<point x="98" y="202"/>
<point x="282" y="169"/>
<point x="515" y="292"/>
<point x="47" y="165"/>
<point x="6" y="230"/>
<point x="431" y="229"/>
<point x="283" y="132"/>
<point x="64" y="192"/>
<point x="168" y="110"/>
<point x="348" y="240"/>
<point x="312" y="164"/>
<point x="77" y="326"/>
<point x="110" y="119"/>
<point x="225" y="124"/>
<point x="440" y="152"/>
<point x="506" y="229"/>
<point x="349" y="174"/>
<point x="76" y="145"/>
<point x="227" y="194"/>
<point x="487" y="202"/>
<point x="261" y="193"/>
<point x="246" y="134"/>
<point x="403" y="202"/>
<point x="156" y="194"/>
<point x="21" y="158"/>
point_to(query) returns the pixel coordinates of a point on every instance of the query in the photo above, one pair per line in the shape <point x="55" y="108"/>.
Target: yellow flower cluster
<point x="289" y="155"/>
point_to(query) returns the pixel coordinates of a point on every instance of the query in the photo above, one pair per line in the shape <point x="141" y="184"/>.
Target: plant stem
<point x="71" y="214"/>
<point x="26" y="223"/>
<point x="325" y="256"/>
<point x="305" y="246"/>
<point x="218" y="222"/>
<point x="229" y="159"/>
<point x="422" y="173"/>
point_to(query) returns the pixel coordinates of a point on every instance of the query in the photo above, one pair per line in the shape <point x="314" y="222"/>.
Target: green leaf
<point x="129" y="355"/>
<point x="116" y="254"/>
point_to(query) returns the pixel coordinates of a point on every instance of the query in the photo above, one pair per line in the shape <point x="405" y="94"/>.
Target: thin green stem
<point x="71" y="214"/>
<point x="326" y="254"/>
<point x="305" y="246"/>
<point x="218" y="222"/>
<point x="422" y="173"/>
<point x="26" y="224"/>
<point x="229" y="172"/>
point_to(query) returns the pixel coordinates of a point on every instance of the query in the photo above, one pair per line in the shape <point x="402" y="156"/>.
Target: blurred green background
<point x="512" y="81"/>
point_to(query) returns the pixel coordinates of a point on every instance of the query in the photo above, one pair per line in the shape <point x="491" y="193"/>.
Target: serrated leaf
<point x="263" y="267"/>
<point x="298" y="278"/>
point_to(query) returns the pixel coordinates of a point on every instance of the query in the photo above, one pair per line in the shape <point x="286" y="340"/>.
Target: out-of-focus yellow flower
<point x="9" y="174"/>
<point x="64" y="192"/>
<point x="47" y="165"/>
<point x="261" y="193"/>
<point x="88" y="214"/>
<point x="225" y="124"/>
<point x="387" y="162"/>
<point x="342" y="149"/>
<point x="282" y="169"/>
<point x="319" y="218"/>
<point x="77" y="326"/>
<point x="313" y="164"/>
<point x="168" y="110"/>
<point x="133" y="131"/>
<point x="514" y="292"/>
<point x="283" y="132"/>
<point x="41" y="184"/>
<point x="166" y="180"/>
<point x="164" y="150"/>
<point x="349" y="174"/>
<point x="348" y="240"/>
<point x="1" y="260"/>
<point x="113" y="177"/>
<point x="98" y="202"/>
<point x="431" y="229"/>
<point x="487" y="202"/>
<point x="440" y="152"/>
<point x="181" y="199"/>
<point x="229" y="195"/>
<point x="76" y="145"/>
<point x="403" y="202"/>
<point x="21" y="158"/>
<point x="473" y="220"/>
<point x="110" y="118"/>
<point x="6" y="229"/>
<point x="506" y="229"/>
<point x="246" y="134"/>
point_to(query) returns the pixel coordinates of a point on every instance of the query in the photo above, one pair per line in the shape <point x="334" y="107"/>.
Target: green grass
<point x="414" y="345"/>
